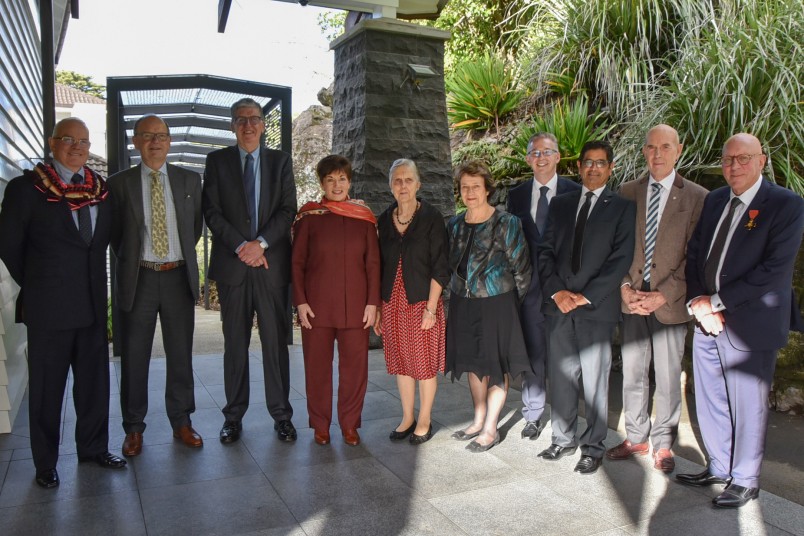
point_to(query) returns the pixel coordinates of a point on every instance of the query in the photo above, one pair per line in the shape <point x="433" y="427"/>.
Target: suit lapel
<point x="740" y="232"/>
<point x="600" y="206"/>
<point x="267" y="194"/>
<point x="177" y="189"/>
<point x="236" y="172"/>
<point x="133" y="184"/>
<point x="642" y="210"/>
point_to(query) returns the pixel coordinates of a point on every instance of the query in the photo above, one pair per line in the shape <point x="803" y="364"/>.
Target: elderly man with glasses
<point x="55" y="225"/>
<point x="587" y="249"/>
<point x="249" y="202"/>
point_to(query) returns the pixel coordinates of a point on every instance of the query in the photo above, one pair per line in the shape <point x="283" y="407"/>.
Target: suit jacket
<point x="519" y="204"/>
<point x="678" y="221"/>
<point x="62" y="279"/>
<point x="128" y="224"/>
<point x="226" y="214"/>
<point x="608" y="248"/>
<point x="336" y="269"/>
<point x="755" y="279"/>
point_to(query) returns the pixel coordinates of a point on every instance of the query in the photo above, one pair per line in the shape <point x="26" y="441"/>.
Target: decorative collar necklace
<point x="91" y="192"/>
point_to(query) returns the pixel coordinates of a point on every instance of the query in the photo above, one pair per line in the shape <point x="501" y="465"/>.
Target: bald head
<point x="661" y="151"/>
<point x="745" y="147"/>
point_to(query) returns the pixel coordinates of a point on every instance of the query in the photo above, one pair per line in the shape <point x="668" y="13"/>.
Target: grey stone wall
<point x="379" y="116"/>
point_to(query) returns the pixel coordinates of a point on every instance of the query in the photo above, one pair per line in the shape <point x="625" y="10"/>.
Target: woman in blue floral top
<point x="490" y="274"/>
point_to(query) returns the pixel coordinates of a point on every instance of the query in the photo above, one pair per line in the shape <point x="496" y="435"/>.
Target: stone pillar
<point x="381" y="114"/>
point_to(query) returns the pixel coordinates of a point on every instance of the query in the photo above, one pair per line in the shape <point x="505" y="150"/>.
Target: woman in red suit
<point x="336" y="288"/>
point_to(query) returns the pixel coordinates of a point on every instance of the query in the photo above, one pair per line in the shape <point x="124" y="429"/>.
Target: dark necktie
<point x="580" y="225"/>
<point x="541" y="209"/>
<point x="84" y="218"/>
<point x="713" y="260"/>
<point x="651" y="229"/>
<point x="249" y="182"/>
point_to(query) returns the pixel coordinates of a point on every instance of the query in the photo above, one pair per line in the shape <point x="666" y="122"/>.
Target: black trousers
<point x="168" y="295"/>
<point x="238" y="305"/>
<point x="51" y="355"/>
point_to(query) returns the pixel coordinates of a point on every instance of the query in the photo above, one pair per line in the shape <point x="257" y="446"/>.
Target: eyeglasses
<point x="69" y="140"/>
<point x="537" y="153"/>
<point x="252" y="120"/>
<point x="158" y="136"/>
<point x="599" y="164"/>
<point x="741" y="159"/>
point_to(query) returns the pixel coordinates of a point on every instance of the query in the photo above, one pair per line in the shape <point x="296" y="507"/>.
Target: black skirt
<point x="484" y="336"/>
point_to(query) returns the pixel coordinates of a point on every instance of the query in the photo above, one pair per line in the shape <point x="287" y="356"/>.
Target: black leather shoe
<point x="474" y="446"/>
<point x="700" y="479"/>
<point x="47" y="478"/>
<point x="398" y="436"/>
<point x="532" y="430"/>
<point x="285" y="430"/>
<point x="555" y="452"/>
<point x="735" y="496"/>
<point x="231" y="431"/>
<point x="106" y="459"/>
<point x="419" y="439"/>
<point x="588" y="465"/>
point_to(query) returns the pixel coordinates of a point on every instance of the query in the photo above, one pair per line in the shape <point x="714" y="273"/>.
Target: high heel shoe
<point x="398" y="436"/>
<point x="419" y="439"/>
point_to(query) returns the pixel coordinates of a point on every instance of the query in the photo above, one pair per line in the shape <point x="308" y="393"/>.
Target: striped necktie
<point x="651" y="229"/>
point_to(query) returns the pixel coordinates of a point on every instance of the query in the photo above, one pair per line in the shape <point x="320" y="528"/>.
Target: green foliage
<point x="331" y="24"/>
<point x="109" y="326"/>
<point x="492" y="153"/>
<point x="81" y="82"/>
<point x="571" y="124"/>
<point x="743" y="75"/>
<point x="480" y="92"/>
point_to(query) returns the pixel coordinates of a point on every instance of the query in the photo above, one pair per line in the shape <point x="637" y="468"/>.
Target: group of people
<point x="535" y="291"/>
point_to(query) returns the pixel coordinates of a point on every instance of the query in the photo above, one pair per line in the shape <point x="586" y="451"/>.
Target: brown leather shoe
<point x="663" y="460"/>
<point x="132" y="444"/>
<point x="626" y="449"/>
<point x="322" y="437"/>
<point x="351" y="437"/>
<point x="188" y="436"/>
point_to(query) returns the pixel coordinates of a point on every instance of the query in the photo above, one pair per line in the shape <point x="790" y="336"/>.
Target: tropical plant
<point x="480" y="92"/>
<point x="571" y="124"/>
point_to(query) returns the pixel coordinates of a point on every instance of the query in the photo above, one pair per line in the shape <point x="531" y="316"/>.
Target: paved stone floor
<point x="263" y="486"/>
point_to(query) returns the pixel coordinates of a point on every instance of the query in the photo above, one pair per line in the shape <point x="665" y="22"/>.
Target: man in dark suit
<point x="249" y="202"/>
<point x="739" y="271"/>
<point x="529" y="202"/>
<point x="586" y="251"/>
<point x="156" y="224"/>
<point x="654" y="293"/>
<point x="54" y="229"/>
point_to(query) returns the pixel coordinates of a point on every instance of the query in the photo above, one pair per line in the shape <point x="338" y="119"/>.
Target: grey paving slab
<point x="781" y="513"/>
<point x="381" y="405"/>
<point x="412" y="517"/>
<point x="115" y="513"/>
<point x="704" y="520"/>
<point x="77" y="480"/>
<point x="5" y="455"/>
<point x="14" y="441"/>
<point x="3" y="470"/>
<point x="224" y="506"/>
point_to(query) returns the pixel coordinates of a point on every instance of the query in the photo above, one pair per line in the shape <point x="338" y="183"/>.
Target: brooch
<point x="752" y="214"/>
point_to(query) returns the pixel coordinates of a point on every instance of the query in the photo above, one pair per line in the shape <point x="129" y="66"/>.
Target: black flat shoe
<point x="735" y="496"/>
<point x="398" y="436"/>
<point x="105" y="459"/>
<point x="231" y="431"/>
<point x="474" y="446"/>
<point x="700" y="479"/>
<point x="588" y="465"/>
<point x="419" y="439"/>
<point x="555" y="452"/>
<point x="47" y="478"/>
<point x="460" y="435"/>
<point x="285" y="430"/>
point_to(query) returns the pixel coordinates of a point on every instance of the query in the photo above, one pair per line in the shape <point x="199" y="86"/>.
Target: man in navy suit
<point x="587" y="249"/>
<point x="529" y="202"/>
<point x="249" y="202"/>
<point x="739" y="271"/>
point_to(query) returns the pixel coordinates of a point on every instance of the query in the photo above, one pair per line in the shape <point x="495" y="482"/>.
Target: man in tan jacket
<point x="653" y="299"/>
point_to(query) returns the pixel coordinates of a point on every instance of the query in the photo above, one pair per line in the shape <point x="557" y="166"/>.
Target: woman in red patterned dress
<point x="413" y="246"/>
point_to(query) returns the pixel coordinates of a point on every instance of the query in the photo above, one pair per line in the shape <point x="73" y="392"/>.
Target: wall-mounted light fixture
<point x="416" y="73"/>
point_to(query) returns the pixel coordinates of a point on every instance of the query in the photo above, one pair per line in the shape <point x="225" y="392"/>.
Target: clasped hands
<point x="306" y="313"/>
<point x="640" y="302"/>
<point x="710" y="321"/>
<point x="567" y="301"/>
<point x="253" y="255"/>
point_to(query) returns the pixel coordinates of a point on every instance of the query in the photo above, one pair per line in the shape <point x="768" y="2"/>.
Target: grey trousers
<point x="646" y="339"/>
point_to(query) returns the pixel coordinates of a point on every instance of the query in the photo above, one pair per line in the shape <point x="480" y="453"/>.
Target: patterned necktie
<point x="580" y="225"/>
<point x="713" y="260"/>
<point x="541" y="209"/>
<point x="651" y="229"/>
<point x="249" y="183"/>
<point x="159" y="238"/>
<point x="84" y="218"/>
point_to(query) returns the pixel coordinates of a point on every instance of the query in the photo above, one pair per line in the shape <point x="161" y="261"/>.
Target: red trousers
<point x="318" y="346"/>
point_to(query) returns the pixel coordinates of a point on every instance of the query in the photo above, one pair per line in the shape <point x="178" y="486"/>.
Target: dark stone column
<point x="380" y="114"/>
